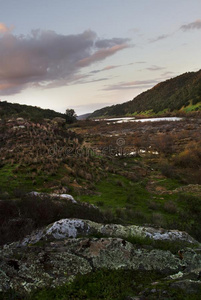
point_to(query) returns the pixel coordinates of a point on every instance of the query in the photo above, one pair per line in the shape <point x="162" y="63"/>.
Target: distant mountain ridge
<point x="172" y="94"/>
<point x="84" y="117"/>
<point x="8" y="110"/>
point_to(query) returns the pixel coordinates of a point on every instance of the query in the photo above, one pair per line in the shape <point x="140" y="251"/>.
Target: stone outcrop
<point x="66" y="228"/>
<point x="57" y="253"/>
<point x="58" y="262"/>
<point x="66" y="197"/>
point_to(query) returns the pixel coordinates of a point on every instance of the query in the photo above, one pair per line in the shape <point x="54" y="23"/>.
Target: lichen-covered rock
<point x="73" y="227"/>
<point x="58" y="230"/>
<point x="55" y="263"/>
<point x="53" y="195"/>
<point x="56" y="254"/>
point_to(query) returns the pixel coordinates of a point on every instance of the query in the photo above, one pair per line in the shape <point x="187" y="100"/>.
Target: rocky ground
<point x="56" y="254"/>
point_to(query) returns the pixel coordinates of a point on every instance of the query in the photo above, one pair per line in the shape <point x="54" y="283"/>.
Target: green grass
<point x="99" y="284"/>
<point x="14" y="177"/>
<point x="191" y="107"/>
<point x="168" y="183"/>
<point x="166" y="245"/>
<point x="114" y="192"/>
<point x="109" y="285"/>
<point x="127" y="202"/>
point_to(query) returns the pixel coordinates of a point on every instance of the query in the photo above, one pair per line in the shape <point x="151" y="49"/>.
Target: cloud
<point x="134" y="30"/>
<point x="155" y="68"/>
<point x="108" y="43"/>
<point x="110" y="68"/>
<point x="167" y="74"/>
<point x="4" y="29"/>
<point x="140" y="62"/>
<point x="160" y="37"/>
<point x="132" y="85"/>
<point x="107" y="68"/>
<point x="190" y="26"/>
<point x="186" y="27"/>
<point x="90" y="81"/>
<point x="100" y="55"/>
<point x="46" y="59"/>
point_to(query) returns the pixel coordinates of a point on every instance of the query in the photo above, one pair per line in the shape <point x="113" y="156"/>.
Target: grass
<point x="192" y="107"/>
<point x="99" y="284"/>
<point x="166" y="245"/>
<point x="119" y="198"/>
<point x="110" y="285"/>
<point x="115" y="191"/>
<point x="127" y="202"/>
<point x="14" y="177"/>
<point x="168" y="183"/>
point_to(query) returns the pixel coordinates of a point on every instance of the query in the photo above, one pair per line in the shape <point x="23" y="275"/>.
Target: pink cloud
<point x="100" y="55"/>
<point x="132" y="85"/>
<point x="109" y="68"/>
<point x="4" y="28"/>
<point x="193" y="25"/>
<point x="45" y="59"/>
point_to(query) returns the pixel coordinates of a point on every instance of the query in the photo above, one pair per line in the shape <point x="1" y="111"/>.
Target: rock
<point x="190" y="188"/>
<point x="73" y="227"/>
<point x="55" y="254"/>
<point x="58" y="262"/>
<point x="53" y="195"/>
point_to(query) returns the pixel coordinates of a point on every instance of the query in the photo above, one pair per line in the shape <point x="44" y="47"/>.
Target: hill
<point x="84" y="117"/>
<point x="180" y="93"/>
<point x="8" y="110"/>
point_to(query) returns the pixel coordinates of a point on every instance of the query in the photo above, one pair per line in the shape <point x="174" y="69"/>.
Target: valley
<point x="130" y="173"/>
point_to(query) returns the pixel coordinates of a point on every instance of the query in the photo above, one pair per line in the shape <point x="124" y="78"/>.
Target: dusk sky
<point x="87" y="54"/>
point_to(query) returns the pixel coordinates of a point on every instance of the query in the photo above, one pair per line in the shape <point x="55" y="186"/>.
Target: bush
<point x="20" y="217"/>
<point x="168" y="170"/>
<point x="158" y="220"/>
<point x="191" y="216"/>
<point x="170" y="207"/>
<point x="190" y="157"/>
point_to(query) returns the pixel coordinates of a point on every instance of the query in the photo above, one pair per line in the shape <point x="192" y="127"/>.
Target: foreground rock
<point x="55" y="255"/>
<point x="75" y="227"/>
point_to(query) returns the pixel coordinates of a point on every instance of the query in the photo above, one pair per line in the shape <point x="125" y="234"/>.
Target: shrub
<point x="18" y="218"/>
<point x="153" y="205"/>
<point x="158" y="219"/>
<point x="190" y="157"/>
<point x="168" y="170"/>
<point x="170" y="207"/>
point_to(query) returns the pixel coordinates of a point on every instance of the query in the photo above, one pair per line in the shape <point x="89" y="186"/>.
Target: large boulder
<point x="76" y="227"/>
<point x="55" y="254"/>
<point x="51" y="264"/>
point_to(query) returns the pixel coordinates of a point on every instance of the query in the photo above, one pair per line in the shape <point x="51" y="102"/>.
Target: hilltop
<point x="180" y="93"/>
<point x="8" y="110"/>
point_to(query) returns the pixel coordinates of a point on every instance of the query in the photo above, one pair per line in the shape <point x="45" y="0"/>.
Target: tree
<point x="71" y="113"/>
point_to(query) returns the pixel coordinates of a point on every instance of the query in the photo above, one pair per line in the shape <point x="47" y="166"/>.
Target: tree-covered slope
<point x="8" y="110"/>
<point x="172" y="94"/>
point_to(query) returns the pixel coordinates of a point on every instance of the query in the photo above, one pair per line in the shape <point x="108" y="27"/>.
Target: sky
<point x="88" y="54"/>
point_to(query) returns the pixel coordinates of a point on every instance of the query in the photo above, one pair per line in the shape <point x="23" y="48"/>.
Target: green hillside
<point x="178" y="93"/>
<point x="8" y="110"/>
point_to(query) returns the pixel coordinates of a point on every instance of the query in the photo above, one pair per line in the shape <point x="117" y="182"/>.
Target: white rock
<point x="65" y="228"/>
<point x="53" y="195"/>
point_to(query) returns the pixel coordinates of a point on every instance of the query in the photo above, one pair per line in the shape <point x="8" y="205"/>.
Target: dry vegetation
<point x="158" y="184"/>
